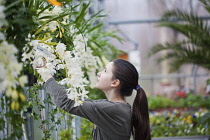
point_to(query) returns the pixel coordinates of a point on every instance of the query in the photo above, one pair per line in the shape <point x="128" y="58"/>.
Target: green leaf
<point x="43" y="9"/>
<point x="95" y="27"/>
<point x="82" y="12"/>
<point x="13" y="4"/>
<point x="205" y="119"/>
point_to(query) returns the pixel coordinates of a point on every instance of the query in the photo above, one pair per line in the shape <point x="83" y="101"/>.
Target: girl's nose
<point x="99" y="74"/>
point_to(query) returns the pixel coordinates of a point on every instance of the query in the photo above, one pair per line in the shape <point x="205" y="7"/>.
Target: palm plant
<point x="195" y="48"/>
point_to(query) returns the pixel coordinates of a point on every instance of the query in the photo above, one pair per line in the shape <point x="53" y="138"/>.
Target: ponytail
<point x="128" y="76"/>
<point x="140" y="117"/>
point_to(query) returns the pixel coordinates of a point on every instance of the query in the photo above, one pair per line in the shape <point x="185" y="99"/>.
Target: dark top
<point x="113" y="119"/>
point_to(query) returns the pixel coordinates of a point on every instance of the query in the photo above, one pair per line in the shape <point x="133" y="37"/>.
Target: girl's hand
<point x="43" y="64"/>
<point x="43" y="71"/>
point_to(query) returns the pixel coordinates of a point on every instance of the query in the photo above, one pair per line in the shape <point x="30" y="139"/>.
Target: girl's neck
<point x="115" y="97"/>
<point x="118" y="100"/>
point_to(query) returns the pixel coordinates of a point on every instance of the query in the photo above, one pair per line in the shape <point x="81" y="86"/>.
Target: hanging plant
<point x="49" y="47"/>
<point x="12" y="82"/>
<point x="62" y="37"/>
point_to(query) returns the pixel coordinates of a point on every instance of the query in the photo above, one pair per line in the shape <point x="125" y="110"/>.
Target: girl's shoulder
<point x="110" y="103"/>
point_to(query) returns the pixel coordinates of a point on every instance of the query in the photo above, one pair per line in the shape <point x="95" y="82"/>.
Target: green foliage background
<point x="194" y="49"/>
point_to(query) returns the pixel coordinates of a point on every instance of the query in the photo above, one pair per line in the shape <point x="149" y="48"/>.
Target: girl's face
<point x="105" y="78"/>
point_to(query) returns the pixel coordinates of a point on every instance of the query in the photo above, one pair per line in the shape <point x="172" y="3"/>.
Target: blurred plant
<point x="181" y="94"/>
<point x="157" y="102"/>
<point x="190" y="101"/>
<point x="66" y="134"/>
<point x="175" y="123"/>
<point x="206" y="118"/>
<point x="12" y="82"/>
<point x="195" y="48"/>
<point x="193" y="100"/>
<point x="42" y="104"/>
<point x="86" y="130"/>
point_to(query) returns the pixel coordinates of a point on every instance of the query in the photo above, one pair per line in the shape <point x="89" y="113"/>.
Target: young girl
<point x="113" y="117"/>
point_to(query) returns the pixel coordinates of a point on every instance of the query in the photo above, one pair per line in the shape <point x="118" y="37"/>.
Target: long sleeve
<point x="106" y="115"/>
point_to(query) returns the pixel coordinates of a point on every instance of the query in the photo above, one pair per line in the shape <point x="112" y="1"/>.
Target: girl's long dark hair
<point x="128" y="76"/>
<point x="140" y="117"/>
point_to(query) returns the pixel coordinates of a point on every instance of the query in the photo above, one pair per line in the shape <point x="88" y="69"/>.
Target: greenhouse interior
<point x="70" y="69"/>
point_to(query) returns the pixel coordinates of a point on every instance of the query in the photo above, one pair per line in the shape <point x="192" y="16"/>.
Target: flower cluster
<point x="181" y="94"/>
<point x="54" y="24"/>
<point x="56" y="57"/>
<point x="10" y="68"/>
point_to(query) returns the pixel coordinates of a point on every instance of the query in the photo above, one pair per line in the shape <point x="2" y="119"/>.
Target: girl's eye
<point x="104" y="70"/>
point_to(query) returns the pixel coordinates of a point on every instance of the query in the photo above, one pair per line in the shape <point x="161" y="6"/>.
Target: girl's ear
<point x="115" y="83"/>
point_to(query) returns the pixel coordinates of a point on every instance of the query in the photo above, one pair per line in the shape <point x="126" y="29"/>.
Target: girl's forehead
<point x="109" y="65"/>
